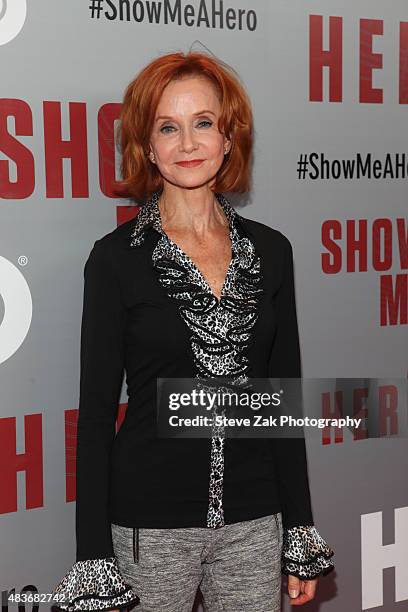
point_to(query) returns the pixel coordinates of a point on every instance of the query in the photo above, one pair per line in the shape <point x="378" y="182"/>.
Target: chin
<point x="190" y="181"/>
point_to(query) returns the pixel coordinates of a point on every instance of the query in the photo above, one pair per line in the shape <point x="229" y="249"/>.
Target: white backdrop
<point x="60" y="64"/>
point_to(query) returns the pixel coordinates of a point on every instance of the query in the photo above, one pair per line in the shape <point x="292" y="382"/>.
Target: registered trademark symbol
<point x="23" y="260"/>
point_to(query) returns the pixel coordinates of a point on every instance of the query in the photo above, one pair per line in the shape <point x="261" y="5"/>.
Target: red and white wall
<point x="329" y="86"/>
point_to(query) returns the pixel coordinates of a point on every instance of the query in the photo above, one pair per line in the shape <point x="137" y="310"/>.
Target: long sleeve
<point x="94" y="581"/>
<point x="304" y="552"/>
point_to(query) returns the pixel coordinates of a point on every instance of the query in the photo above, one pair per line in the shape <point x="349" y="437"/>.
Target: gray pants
<point x="237" y="567"/>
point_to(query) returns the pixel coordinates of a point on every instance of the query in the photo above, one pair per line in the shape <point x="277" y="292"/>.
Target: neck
<point x="191" y="210"/>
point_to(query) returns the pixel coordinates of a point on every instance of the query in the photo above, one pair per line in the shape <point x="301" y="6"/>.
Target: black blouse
<point x="149" y="312"/>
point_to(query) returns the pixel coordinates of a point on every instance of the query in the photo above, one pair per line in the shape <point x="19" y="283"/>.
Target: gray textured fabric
<point x="237" y="567"/>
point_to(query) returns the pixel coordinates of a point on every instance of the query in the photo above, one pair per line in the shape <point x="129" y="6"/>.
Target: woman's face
<point x="184" y="129"/>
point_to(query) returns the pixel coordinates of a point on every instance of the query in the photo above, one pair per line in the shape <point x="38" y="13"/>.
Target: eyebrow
<point x="203" y="112"/>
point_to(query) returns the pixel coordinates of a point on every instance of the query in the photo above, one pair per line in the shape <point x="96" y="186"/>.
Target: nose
<point x="188" y="140"/>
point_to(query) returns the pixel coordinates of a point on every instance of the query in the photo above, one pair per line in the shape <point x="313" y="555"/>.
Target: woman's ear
<point x="150" y="155"/>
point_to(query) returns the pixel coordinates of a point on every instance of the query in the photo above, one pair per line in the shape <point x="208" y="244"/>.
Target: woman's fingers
<point x="301" y="591"/>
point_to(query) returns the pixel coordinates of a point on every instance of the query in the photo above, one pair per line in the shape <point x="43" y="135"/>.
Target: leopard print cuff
<point x="93" y="584"/>
<point x="305" y="554"/>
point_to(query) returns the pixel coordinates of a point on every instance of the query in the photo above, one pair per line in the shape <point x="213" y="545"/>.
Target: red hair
<point x="140" y="177"/>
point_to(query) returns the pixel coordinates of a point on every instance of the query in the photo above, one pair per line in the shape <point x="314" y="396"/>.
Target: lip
<point x="190" y="164"/>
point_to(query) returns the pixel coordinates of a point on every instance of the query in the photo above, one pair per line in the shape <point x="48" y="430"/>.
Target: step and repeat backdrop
<point x="328" y="82"/>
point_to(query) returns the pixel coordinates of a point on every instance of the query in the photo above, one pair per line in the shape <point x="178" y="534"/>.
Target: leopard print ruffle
<point x="305" y="553"/>
<point x="220" y="329"/>
<point x="93" y="584"/>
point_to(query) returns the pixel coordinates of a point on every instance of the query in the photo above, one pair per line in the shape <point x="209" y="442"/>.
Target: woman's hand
<point x="304" y="590"/>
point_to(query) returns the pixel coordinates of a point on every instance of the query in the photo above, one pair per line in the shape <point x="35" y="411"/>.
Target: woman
<point x="189" y="288"/>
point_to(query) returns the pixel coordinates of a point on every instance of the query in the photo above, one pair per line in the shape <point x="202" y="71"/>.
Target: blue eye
<point x="165" y="127"/>
<point x="205" y="121"/>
